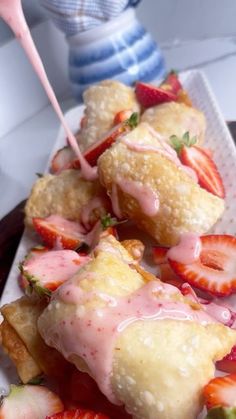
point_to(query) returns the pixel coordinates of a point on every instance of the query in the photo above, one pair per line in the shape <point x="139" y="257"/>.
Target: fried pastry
<point x="148" y="184"/>
<point x="23" y="343"/>
<point x="174" y="118"/>
<point x="141" y="342"/>
<point x="65" y="194"/>
<point x="103" y="101"/>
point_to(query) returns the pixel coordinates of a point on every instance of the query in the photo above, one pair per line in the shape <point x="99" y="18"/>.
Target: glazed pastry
<point x="142" y="342"/>
<point x="23" y="344"/>
<point x="103" y="101"/>
<point x="148" y="184"/>
<point x="67" y="195"/>
<point x="174" y="118"/>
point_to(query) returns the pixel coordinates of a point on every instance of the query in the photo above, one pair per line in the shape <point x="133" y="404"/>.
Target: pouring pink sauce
<point x="92" y="334"/>
<point x="11" y="11"/>
<point x="187" y="250"/>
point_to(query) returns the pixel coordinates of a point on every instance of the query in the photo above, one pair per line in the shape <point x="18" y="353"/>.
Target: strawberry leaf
<point x="109" y="221"/>
<point x="133" y="120"/>
<point x="178" y="143"/>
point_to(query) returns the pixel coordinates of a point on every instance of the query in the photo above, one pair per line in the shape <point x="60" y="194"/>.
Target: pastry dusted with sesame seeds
<point x="102" y="102"/>
<point x="148" y="184"/>
<point x="174" y="118"/>
<point x="141" y="341"/>
<point x="65" y="194"/>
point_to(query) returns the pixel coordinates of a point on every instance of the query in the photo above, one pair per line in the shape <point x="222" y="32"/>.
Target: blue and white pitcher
<point x="120" y="48"/>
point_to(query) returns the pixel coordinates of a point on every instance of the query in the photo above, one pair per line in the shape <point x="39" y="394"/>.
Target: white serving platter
<point x="218" y="139"/>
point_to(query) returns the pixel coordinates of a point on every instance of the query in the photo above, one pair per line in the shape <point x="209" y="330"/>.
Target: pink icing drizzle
<point x="115" y="201"/>
<point x="92" y="334"/>
<point x="187" y="250"/>
<point x="164" y="149"/>
<point x="146" y="197"/>
<point x="11" y="11"/>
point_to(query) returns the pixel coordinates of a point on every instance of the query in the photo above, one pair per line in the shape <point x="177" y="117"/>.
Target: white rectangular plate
<point x="218" y="139"/>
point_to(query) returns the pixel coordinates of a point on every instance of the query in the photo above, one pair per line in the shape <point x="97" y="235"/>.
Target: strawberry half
<point x="122" y="116"/>
<point x="48" y="270"/>
<point x="78" y="414"/>
<point x="221" y="391"/>
<point x="228" y="363"/>
<point x="30" y="402"/>
<point x="200" y="161"/>
<point x="172" y="83"/>
<point x="159" y="254"/>
<point x="66" y="159"/>
<point x="57" y="231"/>
<point x="62" y="160"/>
<point x="215" y="270"/>
<point x="149" y="95"/>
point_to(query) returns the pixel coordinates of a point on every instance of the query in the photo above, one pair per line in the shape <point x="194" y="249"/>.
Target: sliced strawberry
<point x="215" y="270"/>
<point x="63" y="159"/>
<point x="78" y="414"/>
<point x="208" y="176"/>
<point x="122" y="116"/>
<point x="172" y="83"/>
<point x="58" y="232"/>
<point x="149" y="95"/>
<point x="48" y="270"/>
<point x="93" y="152"/>
<point x="159" y="254"/>
<point x="168" y="275"/>
<point x="221" y="391"/>
<point x="228" y="363"/>
<point x="30" y="402"/>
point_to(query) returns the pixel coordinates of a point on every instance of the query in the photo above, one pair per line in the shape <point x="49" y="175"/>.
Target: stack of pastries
<point x="148" y="345"/>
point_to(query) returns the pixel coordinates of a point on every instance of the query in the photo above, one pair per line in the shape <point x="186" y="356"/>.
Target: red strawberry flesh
<point x="221" y="391"/>
<point x="228" y="363"/>
<point x="172" y="83"/>
<point x="78" y="414"/>
<point x="57" y="231"/>
<point x="208" y="176"/>
<point x="149" y="95"/>
<point x="159" y="254"/>
<point x="215" y="273"/>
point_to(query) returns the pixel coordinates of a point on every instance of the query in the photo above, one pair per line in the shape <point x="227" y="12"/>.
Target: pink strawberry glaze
<point x="54" y="266"/>
<point x="146" y="197"/>
<point x="164" y="149"/>
<point x="219" y="312"/>
<point x="63" y="225"/>
<point x="115" y="201"/>
<point x="91" y="334"/>
<point x="11" y="11"/>
<point x="187" y="250"/>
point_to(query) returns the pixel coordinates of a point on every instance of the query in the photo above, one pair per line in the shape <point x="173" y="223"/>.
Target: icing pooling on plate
<point x="92" y="332"/>
<point x="11" y="11"/>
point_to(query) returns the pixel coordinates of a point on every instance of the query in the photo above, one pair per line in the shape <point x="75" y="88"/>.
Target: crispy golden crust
<point x="22" y="315"/>
<point x="12" y="344"/>
<point x="152" y="360"/>
<point x="64" y="195"/>
<point x="134" y="247"/>
<point x="161" y="367"/>
<point x="183" y="205"/>
<point x="103" y="101"/>
<point x="175" y="119"/>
